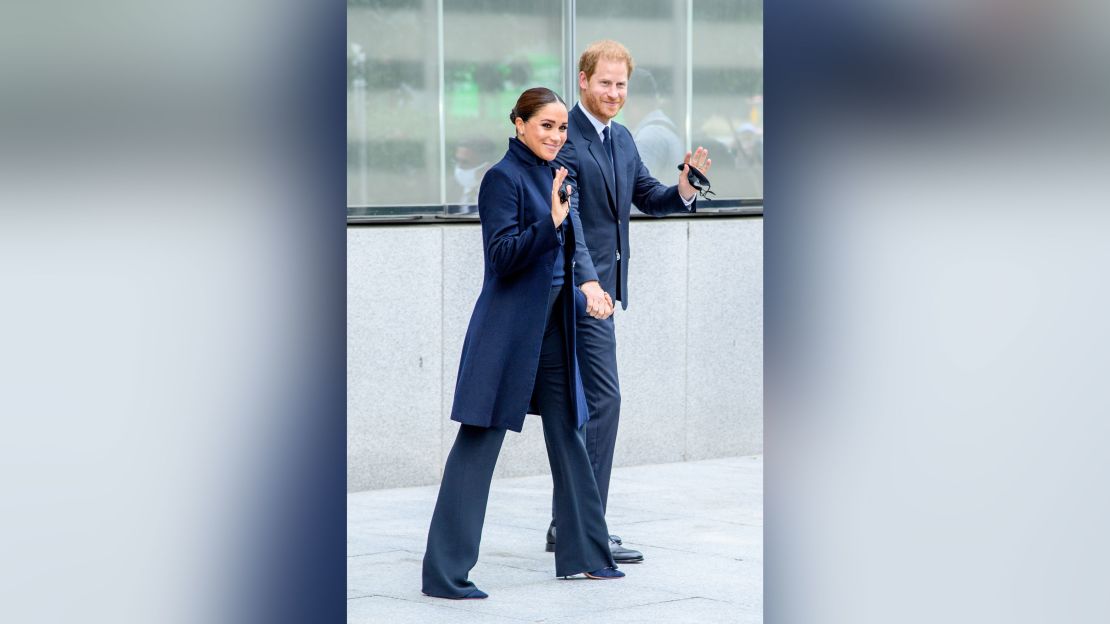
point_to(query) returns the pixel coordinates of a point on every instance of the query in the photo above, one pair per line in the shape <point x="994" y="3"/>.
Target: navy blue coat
<point x="500" y="355"/>
<point x="602" y="253"/>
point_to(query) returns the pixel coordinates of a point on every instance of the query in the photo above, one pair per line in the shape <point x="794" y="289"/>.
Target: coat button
<point x="618" y="255"/>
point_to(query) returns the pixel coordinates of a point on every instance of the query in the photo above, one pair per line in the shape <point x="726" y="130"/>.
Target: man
<point x="609" y="177"/>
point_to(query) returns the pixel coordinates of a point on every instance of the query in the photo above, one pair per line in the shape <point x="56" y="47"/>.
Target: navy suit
<point x="605" y="192"/>
<point x="518" y="357"/>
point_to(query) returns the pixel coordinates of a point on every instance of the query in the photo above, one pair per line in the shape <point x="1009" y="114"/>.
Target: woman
<point x="518" y="358"/>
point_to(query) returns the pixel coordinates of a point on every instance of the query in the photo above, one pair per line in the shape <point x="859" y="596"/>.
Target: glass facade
<point x="393" y="100"/>
<point x="430" y="84"/>
<point x="493" y="50"/>
<point x="727" y="92"/>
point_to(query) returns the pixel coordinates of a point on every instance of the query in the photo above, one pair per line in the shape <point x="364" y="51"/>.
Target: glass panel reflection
<point x="727" y="108"/>
<point x="393" y="151"/>
<point x="493" y="50"/>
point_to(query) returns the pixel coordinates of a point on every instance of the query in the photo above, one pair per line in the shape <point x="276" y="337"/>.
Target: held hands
<point x="598" y="303"/>
<point x="701" y="162"/>
<point x="560" y="207"/>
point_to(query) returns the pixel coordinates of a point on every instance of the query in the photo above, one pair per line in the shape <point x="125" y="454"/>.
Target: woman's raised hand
<point x="560" y="209"/>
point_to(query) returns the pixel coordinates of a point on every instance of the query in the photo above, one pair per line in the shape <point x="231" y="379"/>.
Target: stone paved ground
<point x="699" y="525"/>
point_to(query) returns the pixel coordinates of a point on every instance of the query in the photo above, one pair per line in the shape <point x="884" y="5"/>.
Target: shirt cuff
<point x="690" y="201"/>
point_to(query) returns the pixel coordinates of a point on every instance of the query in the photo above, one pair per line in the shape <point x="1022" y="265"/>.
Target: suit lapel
<point x="621" y="152"/>
<point x="597" y="151"/>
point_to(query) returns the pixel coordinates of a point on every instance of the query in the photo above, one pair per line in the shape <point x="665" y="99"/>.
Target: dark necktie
<point x="608" y="141"/>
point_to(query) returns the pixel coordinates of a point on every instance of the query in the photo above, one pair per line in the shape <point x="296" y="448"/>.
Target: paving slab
<point x="384" y="610"/>
<point x="681" y="611"/>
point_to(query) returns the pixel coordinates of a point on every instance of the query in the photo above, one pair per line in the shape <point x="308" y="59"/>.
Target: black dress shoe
<point x="620" y="553"/>
<point x="624" y="555"/>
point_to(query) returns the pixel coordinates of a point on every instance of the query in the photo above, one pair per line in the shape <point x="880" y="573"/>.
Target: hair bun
<point x="531" y="101"/>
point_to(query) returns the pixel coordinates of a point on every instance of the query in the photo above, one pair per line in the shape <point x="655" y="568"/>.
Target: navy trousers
<point x="456" y="530"/>
<point x="597" y="359"/>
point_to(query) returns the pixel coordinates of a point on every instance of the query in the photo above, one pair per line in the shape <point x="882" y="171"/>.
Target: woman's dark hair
<point x="533" y="100"/>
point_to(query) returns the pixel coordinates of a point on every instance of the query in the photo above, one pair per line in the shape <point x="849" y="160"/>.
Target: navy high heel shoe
<point x="605" y="574"/>
<point x="474" y="594"/>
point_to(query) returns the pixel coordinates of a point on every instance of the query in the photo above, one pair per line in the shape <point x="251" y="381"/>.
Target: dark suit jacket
<point x="603" y="206"/>
<point x="501" y="352"/>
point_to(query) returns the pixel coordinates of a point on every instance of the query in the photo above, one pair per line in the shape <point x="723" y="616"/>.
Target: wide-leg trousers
<point x="597" y="359"/>
<point x="456" y="530"/>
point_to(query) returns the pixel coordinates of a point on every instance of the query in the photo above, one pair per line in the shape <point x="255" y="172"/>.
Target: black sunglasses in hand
<point x="698" y="180"/>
